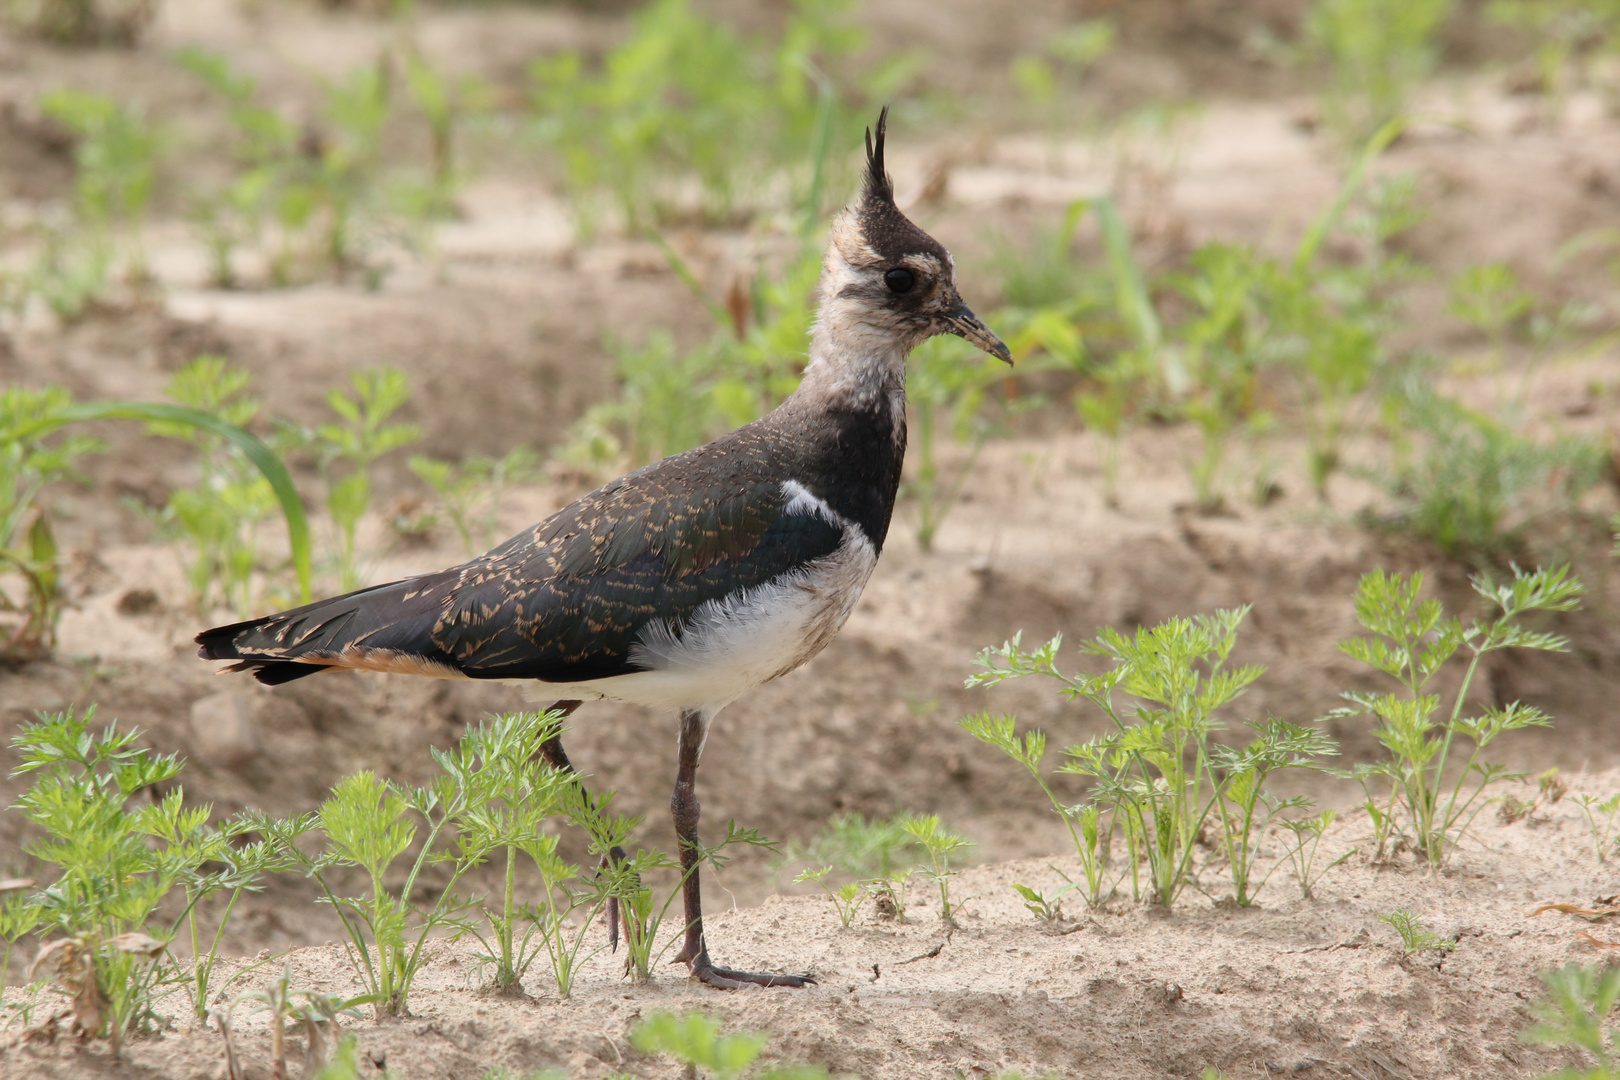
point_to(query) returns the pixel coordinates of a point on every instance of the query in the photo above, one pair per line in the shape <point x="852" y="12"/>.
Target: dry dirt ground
<point x="502" y="338"/>
<point x="1313" y="988"/>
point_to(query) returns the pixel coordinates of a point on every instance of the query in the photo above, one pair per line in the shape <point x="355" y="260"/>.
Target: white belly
<point x="730" y="646"/>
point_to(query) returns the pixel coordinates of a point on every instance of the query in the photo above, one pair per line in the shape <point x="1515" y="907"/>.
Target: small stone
<point x="139" y="602"/>
<point x="222" y="729"/>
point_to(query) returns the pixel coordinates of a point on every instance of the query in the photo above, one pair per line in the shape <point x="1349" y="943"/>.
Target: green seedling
<point x="317" y="1016"/>
<point x="322" y="196"/>
<point x="371" y="824"/>
<point x="1575" y="1014"/>
<point x="945" y="388"/>
<point x="1428" y="790"/>
<point x="1047" y="909"/>
<point x="684" y="98"/>
<point x="762" y="346"/>
<point x="236" y="465"/>
<point x="32" y="458"/>
<point x="664" y="405"/>
<point x="1106" y="407"/>
<point x="1569" y="36"/>
<point x="940" y="844"/>
<point x="1047" y="275"/>
<point x="117" y="865"/>
<point x="1048" y="78"/>
<point x="671" y="400"/>
<point x="191" y="840"/>
<point x="564" y="939"/>
<point x="444" y="104"/>
<point x="620" y="884"/>
<point x="1105" y="327"/>
<point x="1159" y="778"/>
<point x="1092" y="841"/>
<point x="355" y="442"/>
<point x="116" y="158"/>
<point x="1477" y="487"/>
<point x="470" y="493"/>
<point x="847" y="898"/>
<point x="19" y="916"/>
<point x="1329" y="319"/>
<point x="34" y="455"/>
<point x="1379" y="51"/>
<point x="71" y="271"/>
<point x="265" y="148"/>
<point x="1244" y="810"/>
<point x="889" y="893"/>
<point x="645" y="916"/>
<point x="1415" y="937"/>
<point x="1218" y="357"/>
<point x="222" y="515"/>
<point x="859" y="847"/>
<point x="1301" y="854"/>
<point x="341" y="188"/>
<point x="1602" y="821"/>
<point x="695" y="1041"/>
<point x="1489" y="298"/>
<point x="522" y="794"/>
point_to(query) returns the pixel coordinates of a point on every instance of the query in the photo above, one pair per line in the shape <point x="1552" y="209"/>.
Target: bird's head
<point x="884" y="277"/>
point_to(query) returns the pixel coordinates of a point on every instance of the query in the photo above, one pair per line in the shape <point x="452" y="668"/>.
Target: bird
<point x="689" y="582"/>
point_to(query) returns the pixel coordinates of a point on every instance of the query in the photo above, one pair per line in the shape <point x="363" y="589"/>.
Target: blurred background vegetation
<point x="1317" y="354"/>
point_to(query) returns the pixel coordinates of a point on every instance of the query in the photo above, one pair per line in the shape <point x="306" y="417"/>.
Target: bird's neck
<point x="854" y="365"/>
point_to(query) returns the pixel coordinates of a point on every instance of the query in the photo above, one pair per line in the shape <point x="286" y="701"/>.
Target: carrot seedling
<point x="1301" y="853"/>
<point x="118" y="866"/>
<point x="360" y="436"/>
<point x="940" y="844"/>
<point x="695" y="1041"/>
<point x="1575" y="1014"/>
<point x="847" y="898"/>
<point x="1047" y="909"/>
<point x="1157" y="773"/>
<point x="31" y="460"/>
<point x="1084" y="822"/>
<point x="1601" y="821"/>
<point x="1415" y="937"/>
<point x="1412" y="793"/>
<point x="371" y="824"/>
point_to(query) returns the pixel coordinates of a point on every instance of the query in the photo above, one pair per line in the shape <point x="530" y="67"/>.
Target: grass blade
<point x="1132" y="297"/>
<point x="292" y="508"/>
<point x="1323" y="226"/>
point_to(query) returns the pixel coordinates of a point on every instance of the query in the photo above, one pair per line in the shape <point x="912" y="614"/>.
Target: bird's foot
<point x="723" y="978"/>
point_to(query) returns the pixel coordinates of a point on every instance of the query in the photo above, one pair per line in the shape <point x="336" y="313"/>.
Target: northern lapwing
<point x="689" y="582"/>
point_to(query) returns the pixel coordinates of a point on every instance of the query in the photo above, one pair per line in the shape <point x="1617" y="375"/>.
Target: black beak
<point x="964" y="324"/>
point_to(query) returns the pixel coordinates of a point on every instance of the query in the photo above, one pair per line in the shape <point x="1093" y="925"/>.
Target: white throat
<point x="853" y="356"/>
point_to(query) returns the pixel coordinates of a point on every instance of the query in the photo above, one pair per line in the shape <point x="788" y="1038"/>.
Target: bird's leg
<point x="552" y="750"/>
<point x="683" y="804"/>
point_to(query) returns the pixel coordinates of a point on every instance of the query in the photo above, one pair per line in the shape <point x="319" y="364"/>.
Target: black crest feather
<point x="878" y="185"/>
<point x="883" y="226"/>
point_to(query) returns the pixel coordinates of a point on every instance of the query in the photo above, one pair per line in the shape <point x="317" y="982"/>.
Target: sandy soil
<point x="1314" y="988"/>
<point x="502" y="336"/>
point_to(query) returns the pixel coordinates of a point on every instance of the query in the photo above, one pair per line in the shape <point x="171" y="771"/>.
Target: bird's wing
<point x="564" y="601"/>
<point x="567" y="600"/>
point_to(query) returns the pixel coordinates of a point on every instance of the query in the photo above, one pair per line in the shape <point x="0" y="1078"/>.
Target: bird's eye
<point x="900" y="280"/>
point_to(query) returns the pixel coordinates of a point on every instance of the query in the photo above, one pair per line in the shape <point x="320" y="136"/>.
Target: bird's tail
<point x="383" y="628"/>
